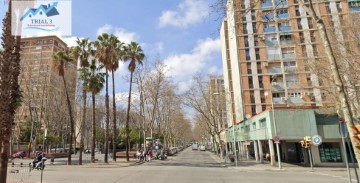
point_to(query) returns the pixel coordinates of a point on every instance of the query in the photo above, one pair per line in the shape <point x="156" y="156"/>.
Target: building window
<point x="253" y="109"/>
<point x="247" y="53"/>
<point x="257" y="53"/>
<point x="263" y="123"/>
<point x="254" y="126"/>
<point x="245" y="28"/>
<point x="330" y="152"/>
<point x="276" y="95"/>
<point x="263" y="107"/>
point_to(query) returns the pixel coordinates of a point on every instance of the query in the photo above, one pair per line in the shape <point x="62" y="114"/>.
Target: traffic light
<point x="306" y="142"/>
<point x="307" y="139"/>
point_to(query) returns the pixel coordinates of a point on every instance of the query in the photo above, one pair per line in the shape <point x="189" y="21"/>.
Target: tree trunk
<point x="93" y="129"/>
<point x="127" y="131"/>
<point x="114" y="118"/>
<point x="82" y="127"/>
<point x="71" y="121"/>
<point x="336" y="75"/>
<point x="9" y="91"/>
<point x="107" y="119"/>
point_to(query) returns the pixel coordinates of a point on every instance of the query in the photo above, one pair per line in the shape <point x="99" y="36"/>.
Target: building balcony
<point x="286" y="42"/>
<point x="268" y="17"/>
<point x="266" y="4"/>
<point x="285" y="28"/>
<point x="281" y="3"/>
<point x="290" y="69"/>
<point x="273" y="56"/>
<point x="292" y="84"/>
<point x="270" y="29"/>
<point x="274" y="70"/>
<point x="277" y="87"/>
<point x="279" y="100"/>
<point x="284" y="15"/>
<point x="288" y="55"/>
<point x="354" y="8"/>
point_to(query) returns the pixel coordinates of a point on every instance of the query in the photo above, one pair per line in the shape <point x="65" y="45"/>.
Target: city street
<point x="186" y="166"/>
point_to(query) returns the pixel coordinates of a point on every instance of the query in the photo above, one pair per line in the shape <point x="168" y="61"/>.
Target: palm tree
<point x="133" y="53"/>
<point x="106" y="52"/>
<point x="9" y="89"/>
<point x="60" y="59"/>
<point x="114" y="67"/>
<point x="82" y="53"/>
<point x="94" y="84"/>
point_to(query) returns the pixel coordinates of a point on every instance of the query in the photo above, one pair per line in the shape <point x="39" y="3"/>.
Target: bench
<point x="122" y="154"/>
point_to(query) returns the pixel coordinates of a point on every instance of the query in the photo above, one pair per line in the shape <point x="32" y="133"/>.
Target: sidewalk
<point x="19" y="173"/>
<point x="257" y="166"/>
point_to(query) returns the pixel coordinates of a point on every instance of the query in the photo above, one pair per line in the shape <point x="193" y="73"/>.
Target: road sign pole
<point x="344" y="136"/>
<point x="310" y="157"/>
<point x="278" y="154"/>
<point x="346" y="159"/>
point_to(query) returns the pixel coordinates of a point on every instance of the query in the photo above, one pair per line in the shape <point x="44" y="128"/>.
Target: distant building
<point x="44" y="100"/>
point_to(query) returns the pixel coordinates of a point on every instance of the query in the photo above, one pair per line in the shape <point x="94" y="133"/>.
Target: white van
<point x="195" y="147"/>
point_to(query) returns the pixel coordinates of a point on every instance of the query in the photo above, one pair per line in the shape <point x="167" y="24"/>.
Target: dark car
<point x="20" y="154"/>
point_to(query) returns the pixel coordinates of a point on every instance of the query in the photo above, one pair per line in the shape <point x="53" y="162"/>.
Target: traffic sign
<point x="276" y="139"/>
<point x="316" y="140"/>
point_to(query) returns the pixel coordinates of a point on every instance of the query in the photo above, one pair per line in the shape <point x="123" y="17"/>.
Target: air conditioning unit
<point x="283" y="99"/>
<point x="265" y="64"/>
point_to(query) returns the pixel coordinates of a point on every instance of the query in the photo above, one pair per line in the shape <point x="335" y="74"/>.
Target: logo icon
<point x="48" y="10"/>
<point x="41" y="17"/>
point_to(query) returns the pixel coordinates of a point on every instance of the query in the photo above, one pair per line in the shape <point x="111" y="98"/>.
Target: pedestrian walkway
<point x="253" y="165"/>
<point x="19" y="170"/>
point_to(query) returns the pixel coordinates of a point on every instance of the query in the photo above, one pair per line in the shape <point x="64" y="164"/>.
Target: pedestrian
<point x="267" y="156"/>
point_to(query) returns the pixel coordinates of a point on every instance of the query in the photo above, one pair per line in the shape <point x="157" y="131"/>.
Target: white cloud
<point x="188" y="12"/>
<point x="123" y="35"/>
<point x="70" y="41"/>
<point x="183" y="66"/>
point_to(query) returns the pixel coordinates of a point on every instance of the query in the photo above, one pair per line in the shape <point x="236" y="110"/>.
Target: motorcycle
<point x="161" y="156"/>
<point x="39" y="163"/>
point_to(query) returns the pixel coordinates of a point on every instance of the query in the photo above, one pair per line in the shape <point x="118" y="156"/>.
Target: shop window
<point x="330" y="152"/>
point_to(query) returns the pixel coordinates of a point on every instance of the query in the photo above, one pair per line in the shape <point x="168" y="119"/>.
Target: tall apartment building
<point x="217" y="97"/>
<point x="269" y="48"/>
<point x="44" y="100"/>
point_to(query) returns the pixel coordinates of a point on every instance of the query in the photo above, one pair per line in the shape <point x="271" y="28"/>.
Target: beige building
<point x="269" y="52"/>
<point x="44" y="100"/>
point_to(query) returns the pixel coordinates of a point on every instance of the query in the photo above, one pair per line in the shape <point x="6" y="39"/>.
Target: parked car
<point x="202" y="148"/>
<point x="20" y="154"/>
<point x="88" y="150"/>
<point x="195" y="147"/>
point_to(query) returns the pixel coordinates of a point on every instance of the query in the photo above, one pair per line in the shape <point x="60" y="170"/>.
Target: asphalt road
<point x="186" y="167"/>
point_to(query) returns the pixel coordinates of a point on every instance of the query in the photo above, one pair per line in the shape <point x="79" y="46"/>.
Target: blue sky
<point x="183" y="33"/>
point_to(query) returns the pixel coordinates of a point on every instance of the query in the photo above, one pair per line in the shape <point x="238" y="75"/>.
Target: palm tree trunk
<point x="82" y="127"/>
<point x="107" y="119"/>
<point x="344" y="101"/>
<point x="71" y="121"/>
<point x="114" y="118"/>
<point x="93" y="129"/>
<point x="127" y="131"/>
<point x="9" y="72"/>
